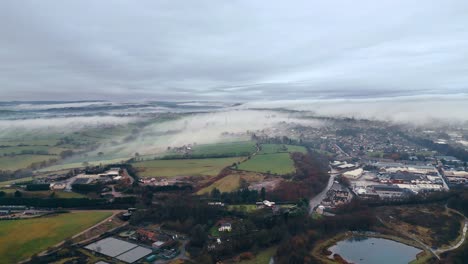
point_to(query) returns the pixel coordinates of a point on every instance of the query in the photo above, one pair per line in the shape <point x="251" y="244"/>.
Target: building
<point x="448" y="159"/>
<point x="389" y="191"/>
<point x="354" y="174"/>
<point x="225" y="227"/>
<point x="146" y="235"/>
<point x="320" y="209"/>
<point x="5" y="212"/>
<point x="58" y="186"/>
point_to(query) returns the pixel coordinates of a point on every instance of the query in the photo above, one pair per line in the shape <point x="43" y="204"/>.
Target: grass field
<point x="231" y="182"/>
<point x="26" y="179"/>
<point x="183" y="167"/>
<point x="236" y="148"/>
<point x="263" y="257"/>
<point x="227" y="184"/>
<point x="243" y="207"/>
<point x="276" y="148"/>
<point x="67" y="166"/>
<point x="20" y="239"/>
<point x="21" y="161"/>
<point x="278" y="163"/>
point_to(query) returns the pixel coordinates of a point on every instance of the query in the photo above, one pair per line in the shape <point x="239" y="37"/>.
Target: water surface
<point x="369" y="250"/>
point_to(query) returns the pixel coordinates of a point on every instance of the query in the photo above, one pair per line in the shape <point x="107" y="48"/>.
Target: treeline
<point x="311" y="178"/>
<point x="27" y="152"/>
<point x="182" y="209"/>
<point x="241" y="196"/>
<point x="276" y="140"/>
<point x="459" y="202"/>
<point x="119" y="202"/>
<point x="298" y="248"/>
<point x="37" y="187"/>
<point x="170" y="188"/>
<point x="204" y="156"/>
<point x="250" y="232"/>
<point x="7" y="175"/>
<point x="444" y="149"/>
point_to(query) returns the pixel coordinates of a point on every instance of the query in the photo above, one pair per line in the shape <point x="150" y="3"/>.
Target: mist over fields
<point x="149" y="128"/>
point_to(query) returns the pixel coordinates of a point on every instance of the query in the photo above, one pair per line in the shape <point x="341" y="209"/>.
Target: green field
<point x="10" y="182"/>
<point x="236" y="148"/>
<point x="277" y="148"/>
<point x="20" y="239"/>
<point x="21" y="161"/>
<point x="68" y="166"/>
<point x="278" y="163"/>
<point x="183" y="167"/>
<point x="243" y="207"/>
<point x="232" y="149"/>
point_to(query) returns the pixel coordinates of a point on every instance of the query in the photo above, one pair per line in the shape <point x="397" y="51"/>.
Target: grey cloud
<point x="243" y="50"/>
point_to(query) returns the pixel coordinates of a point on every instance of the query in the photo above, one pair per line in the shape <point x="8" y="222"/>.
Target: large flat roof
<point x="111" y="247"/>
<point x="122" y="250"/>
<point x="134" y="254"/>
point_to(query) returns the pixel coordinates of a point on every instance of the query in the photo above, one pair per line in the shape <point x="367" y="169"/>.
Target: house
<point x="225" y="227"/>
<point x="4" y="212"/>
<point x="320" y="209"/>
<point x="146" y="235"/>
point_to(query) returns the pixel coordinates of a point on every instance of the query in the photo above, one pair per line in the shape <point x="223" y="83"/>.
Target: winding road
<point x="463" y="237"/>
<point x="437" y="252"/>
<point x="317" y="200"/>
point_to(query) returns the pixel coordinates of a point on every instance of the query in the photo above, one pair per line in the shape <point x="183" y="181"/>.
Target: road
<point x="426" y="247"/>
<point x="341" y="150"/>
<point x="463" y="238"/>
<point x="437" y="252"/>
<point x="317" y="200"/>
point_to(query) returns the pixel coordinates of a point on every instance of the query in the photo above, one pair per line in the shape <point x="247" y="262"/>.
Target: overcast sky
<point x="238" y="50"/>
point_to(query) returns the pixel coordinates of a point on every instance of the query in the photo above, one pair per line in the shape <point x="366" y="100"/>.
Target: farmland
<point x="277" y="148"/>
<point x="277" y="163"/>
<point x="227" y="184"/>
<point x="20" y="239"/>
<point x="21" y="161"/>
<point x="232" y="148"/>
<point x="231" y="182"/>
<point x="183" y="167"/>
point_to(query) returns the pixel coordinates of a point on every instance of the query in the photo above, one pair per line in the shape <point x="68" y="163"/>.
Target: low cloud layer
<point x="237" y="50"/>
<point x="413" y="110"/>
<point x="205" y="129"/>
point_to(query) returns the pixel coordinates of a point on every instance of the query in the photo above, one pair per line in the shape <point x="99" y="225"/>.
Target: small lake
<point x="370" y="250"/>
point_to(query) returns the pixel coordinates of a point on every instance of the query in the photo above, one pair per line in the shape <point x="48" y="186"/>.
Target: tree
<point x="198" y="236"/>
<point x="263" y="193"/>
<point x="18" y="194"/>
<point x="215" y="193"/>
<point x="66" y="153"/>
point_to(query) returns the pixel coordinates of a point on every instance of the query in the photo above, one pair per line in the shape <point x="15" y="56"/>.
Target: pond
<point x="369" y="250"/>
